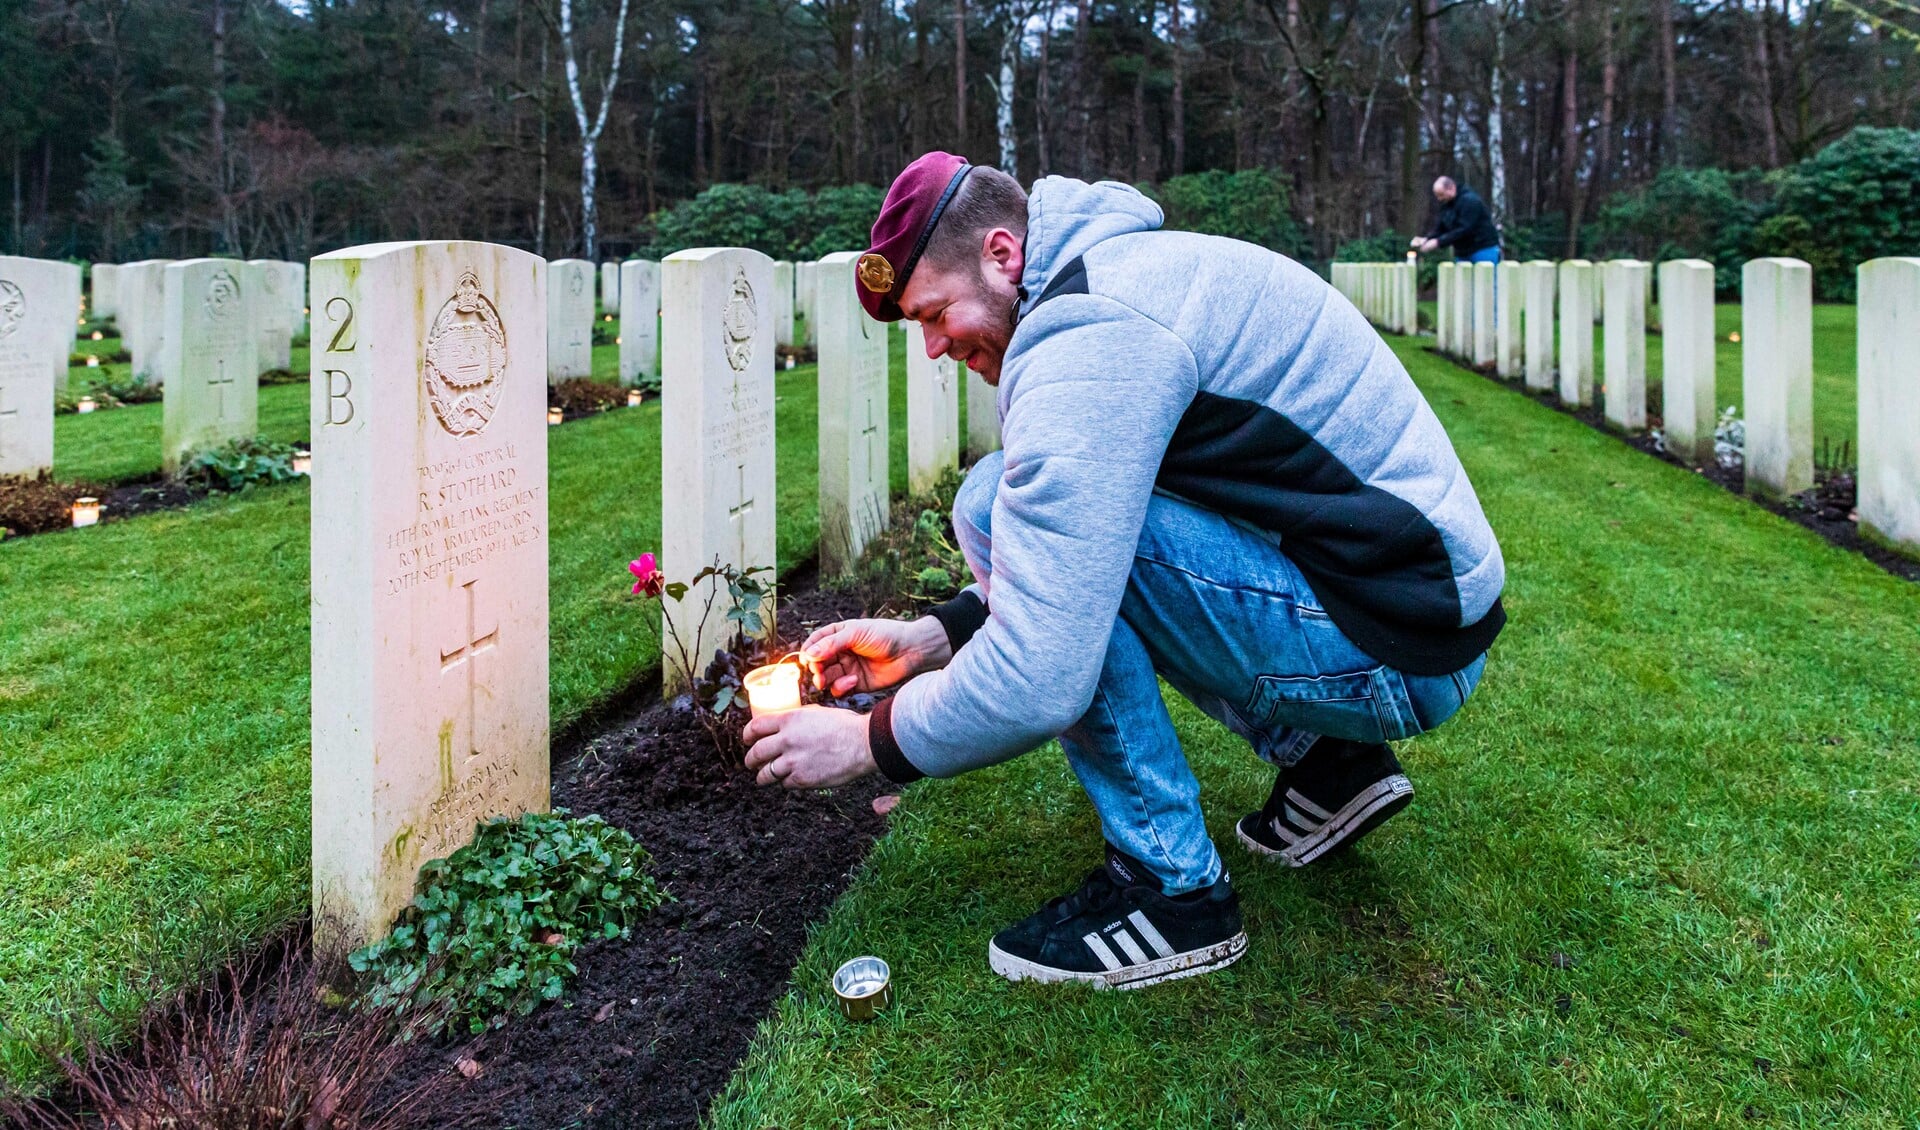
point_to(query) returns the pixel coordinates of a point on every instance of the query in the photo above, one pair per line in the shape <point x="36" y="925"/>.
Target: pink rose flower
<point x="647" y="576"/>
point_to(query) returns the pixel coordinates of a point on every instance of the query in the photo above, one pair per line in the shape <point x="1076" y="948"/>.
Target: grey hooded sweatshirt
<point x="1230" y="376"/>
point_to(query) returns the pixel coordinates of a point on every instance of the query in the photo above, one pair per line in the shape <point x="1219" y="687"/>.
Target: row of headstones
<point x="204" y="329"/>
<point x="430" y="518"/>
<point x="1506" y="317"/>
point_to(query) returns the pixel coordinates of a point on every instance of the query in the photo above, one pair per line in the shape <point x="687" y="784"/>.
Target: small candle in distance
<point x="773" y="688"/>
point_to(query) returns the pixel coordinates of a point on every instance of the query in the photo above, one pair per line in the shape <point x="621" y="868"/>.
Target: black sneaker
<point x="1119" y="932"/>
<point x="1337" y="793"/>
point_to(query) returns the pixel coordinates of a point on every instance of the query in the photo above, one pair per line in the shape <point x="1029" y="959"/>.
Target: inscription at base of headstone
<point x="933" y="413"/>
<point x="569" y="319"/>
<point x="639" y="320"/>
<point x="716" y="434"/>
<point x="210" y="352"/>
<point x="429" y="565"/>
<point x="853" y="417"/>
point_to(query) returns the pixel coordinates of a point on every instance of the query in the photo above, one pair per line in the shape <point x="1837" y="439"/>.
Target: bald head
<point x="1444" y="189"/>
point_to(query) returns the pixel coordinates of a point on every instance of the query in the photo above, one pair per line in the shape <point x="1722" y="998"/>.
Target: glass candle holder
<point x="87" y="404"/>
<point x="773" y="688"/>
<point x="555" y="416"/>
<point x="303" y="462"/>
<point x="86" y="511"/>
<point x="634" y="397"/>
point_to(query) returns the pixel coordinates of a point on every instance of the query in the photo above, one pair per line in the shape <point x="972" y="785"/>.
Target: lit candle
<point x="303" y="462"/>
<point x="606" y="317"/>
<point x="634" y="397"/>
<point x="86" y="511"/>
<point x="98" y="336"/>
<point x="1734" y="336"/>
<point x="789" y="360"/>
<point x="773" y="688"/>
<point x="86" y="405"/>
<point x="616" y="340"/>
<point x="555" y="416"/>
<point x="92" y="361"/>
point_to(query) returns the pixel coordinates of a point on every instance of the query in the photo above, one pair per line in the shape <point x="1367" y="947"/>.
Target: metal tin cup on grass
<point x="864" y="987"/>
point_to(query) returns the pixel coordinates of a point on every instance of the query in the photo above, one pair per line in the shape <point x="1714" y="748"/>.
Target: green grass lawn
<point x="1836" y="381"/>
<point x="154" y="702"/>
<point x="1661" y="871"/>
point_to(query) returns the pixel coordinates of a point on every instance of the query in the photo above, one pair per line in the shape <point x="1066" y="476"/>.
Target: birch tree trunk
<point x="1496" y="117"/>
<point x="590" y="132"/>
<point x="1003" y="91"/>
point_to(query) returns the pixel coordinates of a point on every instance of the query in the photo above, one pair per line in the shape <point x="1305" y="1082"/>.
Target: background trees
<point x="172" y="127"/>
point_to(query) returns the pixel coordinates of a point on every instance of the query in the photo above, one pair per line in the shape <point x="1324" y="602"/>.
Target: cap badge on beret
<point x="875" y="273"/>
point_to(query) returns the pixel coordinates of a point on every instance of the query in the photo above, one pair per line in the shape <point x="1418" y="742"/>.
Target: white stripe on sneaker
<point x="1295" y="816"/>
<point x="1101" y="951"/>
<point x="1154" y="937"/>
<point x="1307" y="805"/>
<point x="1134" y="952"/>
<point x="1284" y="832"/>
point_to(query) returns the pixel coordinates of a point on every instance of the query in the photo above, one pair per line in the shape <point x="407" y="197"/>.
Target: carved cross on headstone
<point x="943" y="379"/>
<point x="220" y="384"/>
<point x="868" y="434"/>
<point x="737" y="515"/>
<point x="464" y="655"/>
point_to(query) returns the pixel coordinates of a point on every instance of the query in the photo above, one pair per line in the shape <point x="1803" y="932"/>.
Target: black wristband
<point x="887" y="755"/>
<point x="961" y="617"/>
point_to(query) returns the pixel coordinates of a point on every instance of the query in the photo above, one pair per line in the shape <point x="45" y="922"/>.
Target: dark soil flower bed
<point x="1827" y="509"/>
<point x="656" y="1022"/>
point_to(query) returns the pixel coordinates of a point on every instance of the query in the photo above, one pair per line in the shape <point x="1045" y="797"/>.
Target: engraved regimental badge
<point x="876" y="274"/>
<point x="223" y="295"/>
<point x="576" y="281"/>
<point x="465" y="364"/>
<point x="13" y="308"/>
<point x="739" y="321"/>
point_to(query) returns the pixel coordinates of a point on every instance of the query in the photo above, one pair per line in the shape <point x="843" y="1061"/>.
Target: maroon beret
<point x="914" y="205"/>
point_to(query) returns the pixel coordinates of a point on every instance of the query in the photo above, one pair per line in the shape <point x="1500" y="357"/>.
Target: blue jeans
<point x="1224" y="617"/>
<point x="1484" y="255"/>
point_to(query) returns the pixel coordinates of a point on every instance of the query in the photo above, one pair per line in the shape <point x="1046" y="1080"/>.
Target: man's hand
<point x="814" y="747"/>
<point x="872" y="655"/>
<point x="1429" y="246"/>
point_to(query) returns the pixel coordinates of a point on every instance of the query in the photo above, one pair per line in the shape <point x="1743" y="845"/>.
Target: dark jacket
<point x="1464" y="224"/>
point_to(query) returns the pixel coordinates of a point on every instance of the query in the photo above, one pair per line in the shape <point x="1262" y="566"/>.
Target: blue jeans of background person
<point x="1489" y="255"/>
<point x="1220" y="613"/>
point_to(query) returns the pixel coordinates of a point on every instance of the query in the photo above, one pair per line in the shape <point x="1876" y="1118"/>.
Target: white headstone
<point x="1463" y="310"/>
<point x="210" y="354"/>
<point x="569" y="319"/>
<point x="933" y="412"/>
<point x="610" y="288"/>
<point x="1624" y="282"/>
<point x="295" y="286"/>
<point x="806" y="298"/>
<point x="717" y="432"/>
<point x="1509" y="305"/>
<point x="1443" y="307"/>
<point x="1576" y="332"/>
<point x="639" y="320"/>
<point x="781" y="303"/>
<point x="272" y="314"/>
<point x="1889" y="313"/>
<point x="1540" y="287"/>
<point x="143" y="316"/>
<point x="853" y="417"/>
<point x="1482" y="314"/>
<point x="104" y="279"/>
<point x="1687" y="363"/>
<point x="33" y="322"/>
<point x="983" y="416"/>
<point x="429" y="565"/>
<point x="1776" y="371"/>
